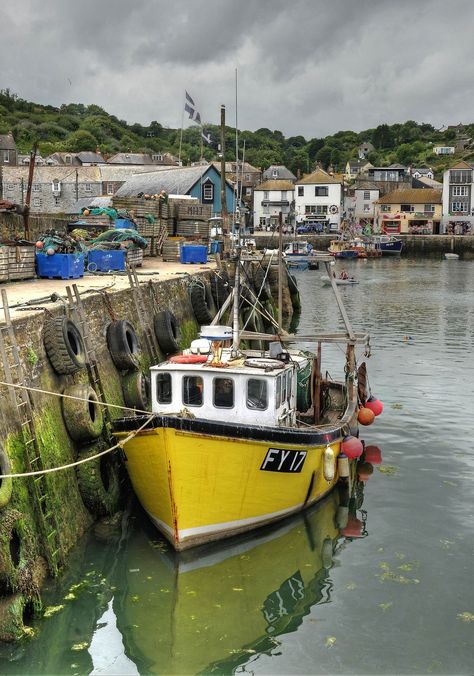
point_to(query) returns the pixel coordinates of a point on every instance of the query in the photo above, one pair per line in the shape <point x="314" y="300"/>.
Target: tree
<point x="383" y="137"/>
<point x="80" y="140"/>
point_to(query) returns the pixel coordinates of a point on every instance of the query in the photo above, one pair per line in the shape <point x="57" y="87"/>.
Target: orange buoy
<point x="188" y="359"/>
<point x="39" y="244"/>
<point x="375" y="405"/>
<point x="365" y="416"/>
<point x="373" y="454"/>
<point x="86" y="212"/>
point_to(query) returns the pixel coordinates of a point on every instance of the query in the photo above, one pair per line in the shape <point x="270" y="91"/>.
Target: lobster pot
<point x="195" y="229"/>
<point x="141" y="206"/>
<point x="135" y="257"/>
<point x="172" y="249"/>
<point x="21" y="262"/>
<point x="99" y="220"/>
<point x="194" y="212"/>
<point x="3" y="264"/>
<point x="147" y="229"/>
<point x="171" y="226"/>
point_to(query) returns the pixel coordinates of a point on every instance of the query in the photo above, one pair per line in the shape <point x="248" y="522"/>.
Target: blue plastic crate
<point x="124" y="223"/>
<point x="60" y="266"/>
<point x="193" y="253"/>
<point x="104" y="260"/>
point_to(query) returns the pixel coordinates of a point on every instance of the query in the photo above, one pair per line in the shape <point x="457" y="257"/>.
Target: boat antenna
<point x="236" y="299"/>
<point x="224" y="212"/>
<point x="280" y="272"/>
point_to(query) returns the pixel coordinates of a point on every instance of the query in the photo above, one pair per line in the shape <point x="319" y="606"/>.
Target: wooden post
<point x="26" y="206"/>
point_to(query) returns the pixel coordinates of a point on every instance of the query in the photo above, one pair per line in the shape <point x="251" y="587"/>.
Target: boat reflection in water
<point x="219" y="606"/>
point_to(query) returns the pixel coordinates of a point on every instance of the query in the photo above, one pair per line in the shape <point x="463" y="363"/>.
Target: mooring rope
<point x="50" y="470"/>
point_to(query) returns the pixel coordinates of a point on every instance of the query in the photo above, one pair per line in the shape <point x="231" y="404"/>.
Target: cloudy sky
<point x="310" y="67"/>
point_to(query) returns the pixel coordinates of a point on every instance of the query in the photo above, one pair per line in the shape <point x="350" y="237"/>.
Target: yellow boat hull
<point x="198" y="487"/>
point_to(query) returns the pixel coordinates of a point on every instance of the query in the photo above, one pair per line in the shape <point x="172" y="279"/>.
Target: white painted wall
<point x="333" y="199"/>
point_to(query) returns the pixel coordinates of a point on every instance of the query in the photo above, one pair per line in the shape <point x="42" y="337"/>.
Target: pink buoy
<point x="50" y="251"/>
<point x="39" y="244"/>
<point x="354" y="528"/>
<point x="373" y="454"/>
<point x="375" y="405"/>
<point x="364" y="470"/>
<point x="352" y="447"/>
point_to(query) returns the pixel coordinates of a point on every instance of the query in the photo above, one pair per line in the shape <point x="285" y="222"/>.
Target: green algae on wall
<point x="189" y="331"/>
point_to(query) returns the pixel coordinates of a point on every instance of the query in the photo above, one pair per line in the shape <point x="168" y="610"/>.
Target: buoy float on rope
<point x="352" y="447"/>
<point x="375" y="405"/>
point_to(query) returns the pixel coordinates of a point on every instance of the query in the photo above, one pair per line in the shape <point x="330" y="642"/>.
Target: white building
<point x="360" y="201"/>
<point x="269" y="198"/>
<point x="458" y="197"/>
<point x="444" y="150"/>
<point x="319" y="197"/>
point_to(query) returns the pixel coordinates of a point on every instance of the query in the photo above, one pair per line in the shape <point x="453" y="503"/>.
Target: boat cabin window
<point x="283" y="387"/>
<point x="163" y="388"/>
<point x="289" y="378"/>
<point x="223" y="393"/>
<point x="278" y="392"/>
<point x="257" y="397"/>
<point x="192" y="390"/>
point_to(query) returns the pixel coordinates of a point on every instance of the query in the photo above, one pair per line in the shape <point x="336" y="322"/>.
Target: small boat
<point x="451" y="256"/>
<point x="387" y="244"/>
<point x="298" y="251"/>
<point x="231" y="444"/>
<point x="337" y="280"/>
<point x="340" y="248"/>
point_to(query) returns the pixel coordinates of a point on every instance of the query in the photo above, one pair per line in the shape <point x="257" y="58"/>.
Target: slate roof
<point x="275" y="184"/>
<point x="85" y="156"/>
<point x="283" y="173"/>
<point x="176" y="181"/>
<point x="318" y="176"/>
<point x="364" y="185"/>
<point x="130" y="158"/>
<point x="85" y="202"/>
<point x="412" y="196"/>
<point x="7" y="142"/>
<point x="423" y="171"/>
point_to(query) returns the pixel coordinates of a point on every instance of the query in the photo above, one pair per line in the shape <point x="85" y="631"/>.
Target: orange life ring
<point x="188" y="359"/>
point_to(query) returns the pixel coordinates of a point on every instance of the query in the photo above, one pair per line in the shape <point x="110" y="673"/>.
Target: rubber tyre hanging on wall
<point x="83" y="419"/>
<point x="6" y="485"/>
<point x="166" y="331"/>
<point x="220" y="288"/>
<point x="123" y="344"/>
<point x="294" y="293"/>
<point x="99" y="480"/>
<point x="64" y="345"/>
<point x="200" y="304"/>
<point x="136" y="390"/>
<point x="16" y="552"/>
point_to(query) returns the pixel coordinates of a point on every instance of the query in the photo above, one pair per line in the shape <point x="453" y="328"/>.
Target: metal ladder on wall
<point x="95" y="381"/>
<point x="149" y="334"/>
<point x="22" y="401"/>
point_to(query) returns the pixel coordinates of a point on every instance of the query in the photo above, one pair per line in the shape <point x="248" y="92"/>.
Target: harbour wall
<point x="28" y="549"/>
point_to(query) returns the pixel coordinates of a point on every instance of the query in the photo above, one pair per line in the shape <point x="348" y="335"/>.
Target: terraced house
<point x="415" y="211"/>
<point x="458" y="198"/>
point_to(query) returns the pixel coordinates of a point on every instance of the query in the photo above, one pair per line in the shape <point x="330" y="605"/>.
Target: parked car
<point x="310" y="226"/>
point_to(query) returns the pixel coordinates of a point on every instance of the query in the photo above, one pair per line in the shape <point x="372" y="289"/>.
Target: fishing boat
<point x="340" y="248"/>
<point x="388" y="245"/>
<point x="349" y="281"/>
<point x="451" y="256"/>
<point x="231" y="446"/>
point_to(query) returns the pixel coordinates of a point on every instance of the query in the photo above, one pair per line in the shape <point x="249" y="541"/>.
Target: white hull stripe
<point x="223" y="526"/>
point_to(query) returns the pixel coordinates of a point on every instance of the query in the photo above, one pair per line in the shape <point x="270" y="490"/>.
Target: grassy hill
<point x="74" y="127"/>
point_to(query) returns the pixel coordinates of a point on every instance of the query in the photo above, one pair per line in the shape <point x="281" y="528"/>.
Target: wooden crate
<point x="21" y="262"/>
<point x="171" y="249"/>
<point x="135" y="257"/>
<point x="140" y="206"/>
<point x="194" y="212"/>
<point x="4" y="264"/>
<point x="193" y="229"/>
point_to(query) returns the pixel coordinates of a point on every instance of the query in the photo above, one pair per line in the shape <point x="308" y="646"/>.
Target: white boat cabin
<point x="251" y="391"/>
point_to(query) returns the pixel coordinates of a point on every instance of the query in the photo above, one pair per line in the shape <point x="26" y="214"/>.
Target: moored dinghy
<point x="227" y="449"/>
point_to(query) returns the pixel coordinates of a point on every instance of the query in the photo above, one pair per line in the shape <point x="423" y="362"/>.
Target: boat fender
<point x="166" y="331"/>
<point x="342" y="517"/>
<point x="264" y="363"/>
<point x="136" y="390"/>
<point x="16" y="552"/>
<point x="188" y="359"/>
<point x="64" y="345"/>
<point x="329" y="465"/>
<point x="82" y="416"/>
<point x="343" y="466"/>
<point x="6" y="485"/>
<point x="327" y="553"/>
<point x="99" y="480"/>
<point x="123" y="344"/>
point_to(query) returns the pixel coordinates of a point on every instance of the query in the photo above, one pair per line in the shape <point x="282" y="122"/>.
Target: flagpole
<point x="181" y="134"/>
<point x="236" y="156"/>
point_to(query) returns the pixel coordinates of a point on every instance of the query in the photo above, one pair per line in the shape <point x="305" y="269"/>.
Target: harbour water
<point x="300" y="598"/>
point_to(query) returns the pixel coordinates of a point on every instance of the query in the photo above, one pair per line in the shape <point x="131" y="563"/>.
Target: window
<point x="157" y="158"/>
<point x="283" y="387"/>
<point x="459" y="206"/>
<point x="321" y="209"/>
<point x="407" y="207"/>
<point x="278" y="392"/>
<point x="110" y="188"/>
<point x="385" y="207"/>
<point x="247" y="177"/>
<point x="163" y="388"/>
<point x="367" y="194"/>
<point x="460" y="190"/>
<point x="283" y="196"/>
<point x="10" y="187"/>
<point x="36" y="201"/>
<point x="56" y="185"/>
<point x="275" y="173"/>
<point x="248" y="191"/>
<point x="263" y="220"/>
<point x="87" y="187"/>
<point x="321" y="191"/>
<point x="6" y="156"/>
<point x="460" y="176"/>
<point x="265" y="194"/>
<point x="257" y="398"/>
<point x="430" y="208"/>
<point x="207" y="191"/>
<point x="68" y="159"/>
<point x="56" y="201"/>
<point x="192" y="390"/>
<point x="366" y="208"/>
<point x="301" y="191"/>
<point x="36" y="187"/>
<point x="223" y="393"/>
<point x="289" y="379"/>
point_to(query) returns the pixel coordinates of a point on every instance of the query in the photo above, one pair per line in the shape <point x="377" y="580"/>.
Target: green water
<point x="301" y="597"/>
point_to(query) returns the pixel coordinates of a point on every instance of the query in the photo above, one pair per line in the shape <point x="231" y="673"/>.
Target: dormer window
<point x="157" y="158"/>
<point x="275" y="173"/>
<point x="68" y="159"/>
<point x="6" y="156"/>
<point x="207" y="191"/>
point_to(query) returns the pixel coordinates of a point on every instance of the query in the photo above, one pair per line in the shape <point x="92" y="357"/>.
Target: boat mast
<point x="280" y="272"/>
